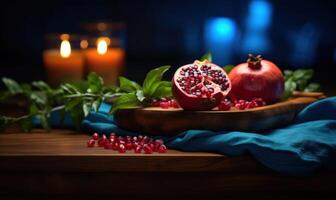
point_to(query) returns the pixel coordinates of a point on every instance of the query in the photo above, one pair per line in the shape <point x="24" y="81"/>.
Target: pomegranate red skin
<point x="266" y="82"/>
<point x="192" y="103"/>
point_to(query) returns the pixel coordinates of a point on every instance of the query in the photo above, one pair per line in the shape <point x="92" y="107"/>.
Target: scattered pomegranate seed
<point x="91" y="143"/>
<point x="95" y="136"/>
<point x="147" y="149"/>
<point x="224" y="105"/>
<point x="101" y="141"/>
<point x="129" y="146"/>
<point x="138" y="149"/>
<point x="115" y="146"/>
<point x="122" y="144"/>
<point x="164" y="105"/>
<point x="122" y="148"/>
<point x="162" y="149"/>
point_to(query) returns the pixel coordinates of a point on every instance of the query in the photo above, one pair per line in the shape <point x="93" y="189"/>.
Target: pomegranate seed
<point x="147" y="149"/>
<point x="162" y="149"/>
<point x="101" y="142"/>
<point x="138" y="149"/>
<point x="224" y="105"/>
<point x="155" y="102"/>
<point x="240" y="106"/>
<point x="135" y="139"/>
<point x="129" y="146"/>
<point x="95" y="136"/>
<point x="108" y="145"/>
<point x="174" y="104"/>
<point x="135" y="144"/>
<point x="164" y="105"/>
<point x="115" y="146"/>
<point x="91" y="143"/>
<point x="122" y="148"/>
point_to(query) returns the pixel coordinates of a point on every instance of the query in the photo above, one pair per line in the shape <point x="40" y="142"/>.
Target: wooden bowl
<point x="157" y="121"/>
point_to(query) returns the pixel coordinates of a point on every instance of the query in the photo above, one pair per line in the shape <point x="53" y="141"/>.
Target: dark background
<point x="301" y="34"/>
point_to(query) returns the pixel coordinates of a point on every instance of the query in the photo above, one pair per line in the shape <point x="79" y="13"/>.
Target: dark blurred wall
<point x="163" y="32"/>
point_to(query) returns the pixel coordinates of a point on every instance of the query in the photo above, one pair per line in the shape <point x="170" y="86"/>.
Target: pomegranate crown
<point x="254" y="62"/>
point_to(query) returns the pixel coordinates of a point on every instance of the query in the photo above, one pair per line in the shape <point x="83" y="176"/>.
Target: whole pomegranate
<point x="200" y="85"/>
<point x="257" y="78"/>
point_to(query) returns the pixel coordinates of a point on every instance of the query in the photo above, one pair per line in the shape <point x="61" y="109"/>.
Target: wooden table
<point x="58" y="165"/>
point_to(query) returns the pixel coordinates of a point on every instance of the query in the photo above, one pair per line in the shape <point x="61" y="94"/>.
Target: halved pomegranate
<point x="200" y="85"/>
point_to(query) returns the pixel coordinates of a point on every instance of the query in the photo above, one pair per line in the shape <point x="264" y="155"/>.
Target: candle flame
<point x="102" y="47"/>
<point x="65" y="49"/>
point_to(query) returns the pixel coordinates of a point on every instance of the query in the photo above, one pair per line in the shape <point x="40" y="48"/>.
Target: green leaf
<point x="70" y="89"/>
<point x="228" y="68"/>
<point x="163" y="92"/>
<point x="152" y="77"/>
<point x="140" y="95"/>
<point x="207" y="56"/>
<point x="305" y="74"/>
<point x="128" y="85"/>
<point x="290" y="86"/>
<point x="39" y="97"/>
<point x="86" y="108"/>
<point x="41" y="85"/>
<point x="301" y="84"/>
<point x="312" y="87"/>
<point x="95" y="83"/>
<point x="96" y="104"/>
<point x="156" y="86"/>
<point x="72" y="103"/>
<point x="12" y="86"/>
<point x="129" y="100"/>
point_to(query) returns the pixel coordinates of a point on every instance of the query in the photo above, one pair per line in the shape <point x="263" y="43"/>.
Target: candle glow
<point x="65" y="49"/>
<point x="102" y="47"/>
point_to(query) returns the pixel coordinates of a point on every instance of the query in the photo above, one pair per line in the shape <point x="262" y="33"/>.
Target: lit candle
<point x="106" y="62"/>
<point x="63" y="65"/>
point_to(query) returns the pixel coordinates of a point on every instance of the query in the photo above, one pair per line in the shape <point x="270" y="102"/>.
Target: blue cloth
<point x="299" y="149"/>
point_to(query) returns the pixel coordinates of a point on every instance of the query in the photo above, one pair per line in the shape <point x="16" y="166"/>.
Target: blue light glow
<point x="305" y="42"/>
<point x="258" y="20"/>
<point x="260" y="15"/>
<point x="219" y="36"/>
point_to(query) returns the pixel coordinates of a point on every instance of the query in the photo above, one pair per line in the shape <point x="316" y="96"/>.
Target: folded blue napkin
<point x="299" y="149"/>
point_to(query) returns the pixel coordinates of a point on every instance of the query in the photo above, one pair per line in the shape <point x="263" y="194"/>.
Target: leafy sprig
<point x="78" y="99"/>
<point x="299" y="80"/>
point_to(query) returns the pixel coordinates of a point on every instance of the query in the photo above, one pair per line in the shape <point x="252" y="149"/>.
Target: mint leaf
<point x="128" y="85"/>
<point x="12" y="86"/>
<point x="152" y="77"/>
<point x="95" y="83"/>
<point x="228" y="68"/>
<point x="207" y="57"/>
<point x="129" y="100"/>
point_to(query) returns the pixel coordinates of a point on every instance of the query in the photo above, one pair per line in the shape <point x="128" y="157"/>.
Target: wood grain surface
<point x="58" y="165"/>
<point x="154" y="120"/>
